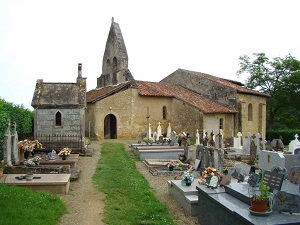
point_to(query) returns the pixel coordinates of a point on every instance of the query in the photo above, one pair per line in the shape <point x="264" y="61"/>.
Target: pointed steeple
<point x="115" y="59"/>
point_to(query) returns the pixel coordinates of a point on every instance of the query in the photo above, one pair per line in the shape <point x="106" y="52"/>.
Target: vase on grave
<point x="26" y="154"/>
<point x="63" y="157"/>
<point x="171" y="168"/>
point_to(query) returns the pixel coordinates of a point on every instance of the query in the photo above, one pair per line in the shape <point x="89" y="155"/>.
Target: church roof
<point x="101" y="93"/>
<point x="238" y="86"/>
<point x="182" y="94"/>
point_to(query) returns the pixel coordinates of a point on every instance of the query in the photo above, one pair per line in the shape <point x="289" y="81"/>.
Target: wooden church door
<point x="110" y="127"/>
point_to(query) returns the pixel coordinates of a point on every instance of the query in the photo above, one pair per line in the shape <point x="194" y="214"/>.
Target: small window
<point x="221" y="124"/>
<point x="58" y="119"/>
<point x="164" y="112"/>
<point x="250" y="118"/>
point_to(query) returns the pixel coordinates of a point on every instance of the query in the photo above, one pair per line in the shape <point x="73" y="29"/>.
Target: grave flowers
<point x="35" y="161"/>
<point x="211" y="177"/>
<point x="187" y="177"/>
<point x="171" y="165"/>
<point x="64" y="153"/>
<point x="28" y="146"/>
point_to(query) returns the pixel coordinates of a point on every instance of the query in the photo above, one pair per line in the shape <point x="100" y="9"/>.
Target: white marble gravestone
<point x="197" y="138"/>
<point x="158" y="130"/>
<point x="246" y="144"/>
<point x="294" y="144"/>
<point x="169" y="130"/>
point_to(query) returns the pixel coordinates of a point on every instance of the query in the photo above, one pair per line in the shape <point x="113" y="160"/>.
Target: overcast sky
<point x="46" y="39"/>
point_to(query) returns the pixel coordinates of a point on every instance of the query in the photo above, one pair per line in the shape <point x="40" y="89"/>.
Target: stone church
<point x="119" y="107"/>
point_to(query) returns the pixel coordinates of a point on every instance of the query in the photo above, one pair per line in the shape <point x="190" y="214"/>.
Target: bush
<point x="287" y="135"/>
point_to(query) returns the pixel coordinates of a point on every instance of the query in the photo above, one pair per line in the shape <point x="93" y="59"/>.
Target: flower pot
<point x="188" y="183"/>
<point x="63" y="157"/>
<point x="259" y="206"/>
<point x="29" y="176"/>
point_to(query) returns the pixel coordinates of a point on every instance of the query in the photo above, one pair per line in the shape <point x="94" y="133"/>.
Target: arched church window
<point x="58" y="119"/>
<point x="250" y="112"/>
<point x="164" y="112"/>
<point x="221" y="124"/>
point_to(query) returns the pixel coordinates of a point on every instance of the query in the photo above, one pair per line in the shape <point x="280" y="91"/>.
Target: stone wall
<point x="72" y="121"/>
<point x="258" y="115"/>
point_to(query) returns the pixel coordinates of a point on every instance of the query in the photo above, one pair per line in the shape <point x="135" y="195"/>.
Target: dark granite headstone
<point x="286" y="202"/>
<point x="254" y="179"/>
<point x="273" y="180"/>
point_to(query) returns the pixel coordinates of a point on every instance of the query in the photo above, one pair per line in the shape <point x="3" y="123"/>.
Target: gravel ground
<point x="86" y="204"/>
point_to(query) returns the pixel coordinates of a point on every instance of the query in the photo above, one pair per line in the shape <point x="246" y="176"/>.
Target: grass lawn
<point x="129" y="198"/>
<point x="20" y="205"/>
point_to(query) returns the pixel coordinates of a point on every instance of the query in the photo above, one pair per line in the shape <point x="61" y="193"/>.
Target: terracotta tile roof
<point x="98" y="94"/>
<point x="182" y="94"/>
<point x="230" y="83"/>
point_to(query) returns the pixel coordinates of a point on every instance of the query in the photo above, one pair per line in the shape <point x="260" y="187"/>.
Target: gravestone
<point x="161" y="139"/>
<point x="154" y="136"/>
<point x="254" y="180"/>
<point x="7" y="145"/>
<point x="291" y="161"/>
<point x="273" y="180"/>
<point x="169" y="130"/>
<point x="159" y="130"/>
<point x="269" y="159"/>
<point x="149" y="132"/>
<point x="205" y="140"/>
<point x="253" y="151"/>
<point x="294" y="144"/>
<point x="277" y="144"/>
<point x="173" y="138"/>
<point x="297" y="151"/>
<point x="238" y="141"/>
<point x="286" y="202"/>
<point x="212" y="139"/>
<point x="197" y="138"/>
<point x="246" y="143"/>
<point x="14" y="145"/>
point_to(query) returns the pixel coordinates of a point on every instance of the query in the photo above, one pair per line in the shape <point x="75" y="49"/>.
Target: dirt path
<point x="86" y="204"/>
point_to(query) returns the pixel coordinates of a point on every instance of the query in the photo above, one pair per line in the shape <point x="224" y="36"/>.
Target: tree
<point x="280" y="78"/>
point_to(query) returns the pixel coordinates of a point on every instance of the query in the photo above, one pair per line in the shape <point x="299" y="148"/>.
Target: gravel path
<point x="86" y="204"/>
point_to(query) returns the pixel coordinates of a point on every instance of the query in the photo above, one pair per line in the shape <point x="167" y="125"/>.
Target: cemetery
<point x="224" y="176"/>
<point x="31" y="167"/>
<point x="231" y="190"/>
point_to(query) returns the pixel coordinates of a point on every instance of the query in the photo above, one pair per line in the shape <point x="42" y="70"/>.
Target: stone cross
<point x="197" y="138"/>
<point x="15" y="149"/>
<point x="7" y="145"/>
<point x="149" y="131"/>
<point x="239" y="135"/>
<point x="257" y="142"/>
<point x="173" y="138"/>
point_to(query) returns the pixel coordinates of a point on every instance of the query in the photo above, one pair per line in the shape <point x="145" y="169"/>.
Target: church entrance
<point x="110" y="127"/>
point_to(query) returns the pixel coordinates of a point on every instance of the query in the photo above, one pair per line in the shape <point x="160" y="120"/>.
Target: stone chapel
<point x="187" y="100"/>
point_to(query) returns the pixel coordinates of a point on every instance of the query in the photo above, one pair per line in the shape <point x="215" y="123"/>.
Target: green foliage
<point x="129" y="199"/>
<point x="15" y="113"/>
<point x="23" y="206"/>
<point x="287" y="135"/>
<point x="279" y="77"/>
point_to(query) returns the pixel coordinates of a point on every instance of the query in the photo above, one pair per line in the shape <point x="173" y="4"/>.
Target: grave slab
<point x="53" y="183"/>
<point x="72" y="162"/>
<point x="224" y="209"/>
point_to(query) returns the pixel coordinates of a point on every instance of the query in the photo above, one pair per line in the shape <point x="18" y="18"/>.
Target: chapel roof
<point x="58" y="95"/>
